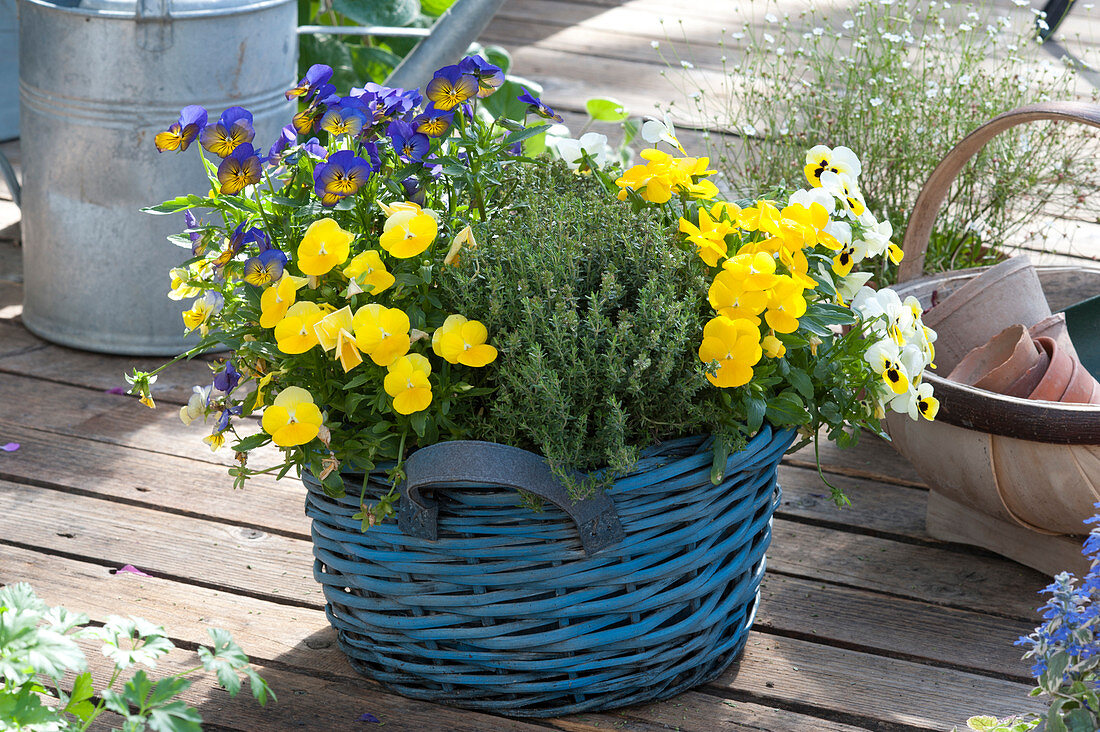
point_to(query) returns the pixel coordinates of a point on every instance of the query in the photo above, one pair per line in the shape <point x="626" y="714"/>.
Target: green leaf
<point x="252" y="442"/>
<point x="631" y="127"/>
<point x="606" y="110"/>
<point x="1080" y="720"/>
<point x="801" y="381"/>
<point x="497" y="56"/>
<point x="721" y="458"/>
<point x="393" y="13"/>
<point x="24" y="709"/>
<point x="260" y="689"/>
<point x="521" y="135"/>
<point x="503" y="102"/>
<point x="786" y="410"/>
<point x="435" y="8"/>
<point x="180" y="203"/>
<point x="754" y="413"/>
<point x="78" y="704"/>
<point x="175" y="717"/>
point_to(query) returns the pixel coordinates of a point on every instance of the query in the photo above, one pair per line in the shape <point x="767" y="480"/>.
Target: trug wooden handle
<point x="932" y="195"/>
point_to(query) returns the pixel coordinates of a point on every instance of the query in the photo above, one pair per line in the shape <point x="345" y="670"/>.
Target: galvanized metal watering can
<point x="98" y="80"/>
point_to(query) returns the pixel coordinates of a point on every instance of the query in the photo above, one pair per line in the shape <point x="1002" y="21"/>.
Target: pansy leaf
<point x="721" y="458"/>
<point x="786" y="409"/>
<point x="180" y="203"/>
<point x="393" y="13"/>
<point x="521" y="135"/>
<point x="801" y="381"/>
<point x="606" y="110"/>
<point x="252" y="441"/>
<point x="754" y="413"/>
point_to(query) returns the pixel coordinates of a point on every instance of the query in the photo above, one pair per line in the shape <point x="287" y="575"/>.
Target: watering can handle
<point x="487" y="463"/>
<point x="932" y="195"/>
<point x="154" y="31"/>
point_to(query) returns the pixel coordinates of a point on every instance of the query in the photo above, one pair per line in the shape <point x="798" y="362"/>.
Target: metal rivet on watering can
<point x="98" y="80"/>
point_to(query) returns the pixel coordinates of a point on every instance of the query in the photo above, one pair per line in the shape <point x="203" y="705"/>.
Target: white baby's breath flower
<point x="770" y="17"/>
<point x="748" y="130"/>
<point x="848" y="24"/>
<point x="817" y="31"/>
<point x="654" y="44"/>
<point x="769" y="38"/>
<point x="965" y="27"/>
<point x="876" y="101"/>
<point x="687" y="64"/>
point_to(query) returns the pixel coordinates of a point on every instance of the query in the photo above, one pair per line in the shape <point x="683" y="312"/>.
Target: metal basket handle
<point x="488" y="463"/>
<point x="932" y="195"/>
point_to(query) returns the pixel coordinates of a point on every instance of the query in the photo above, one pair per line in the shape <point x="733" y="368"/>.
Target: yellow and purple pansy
<point x="341" y="175"/>
<point x="535" y="106"/>
<point x="232" y="129"/>
<point x="265" y="268"/>
<point x="407" y="142"/>
<point x="179" y="136"/>
<point x="489" y="77"/>
<point x="451" y="87"/>
<point x="433" y="122"/>
<point x="347" y="117"/>
<point x="241" y="168"/>
<point x="316" y="77"/>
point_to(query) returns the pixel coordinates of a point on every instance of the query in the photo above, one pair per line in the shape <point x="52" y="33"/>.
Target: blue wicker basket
<point x="505" y="611"/>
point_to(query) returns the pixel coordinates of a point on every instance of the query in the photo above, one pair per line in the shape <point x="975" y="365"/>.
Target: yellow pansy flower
<point x="785" y="305"/>
<point x="729" y="296"/>
<point x="324" y="246"/>
<point x="277" y="299"/>
<point x="335" y="332"/>
<point x="407" y="382"/>
<point x="709" y="236"/>
<point x="462" y="341"/>
<point x="885" y="358"/>
<point x="755" y="271"/>
<point x="295" y="332"/>
<point x="202" y="309"/>
<point x="382" y="333"/>
<point x="293" y="419"/>
<point x="773" y="347"/>
<point x="464" y="238"/>
<point x="366" y="269"/>
<point x="408" y="232"/>
<point x="763" y="216"/>
<point x="735" y="345"/>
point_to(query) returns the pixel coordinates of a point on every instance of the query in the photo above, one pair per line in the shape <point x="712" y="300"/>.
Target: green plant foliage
<point x="38" y="646"/>
<point x="393" y="13"/>
<point x="597" y="313"/>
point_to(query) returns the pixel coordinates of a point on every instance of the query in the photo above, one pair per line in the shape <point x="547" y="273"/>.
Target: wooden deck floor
<point x="866" y="622"/>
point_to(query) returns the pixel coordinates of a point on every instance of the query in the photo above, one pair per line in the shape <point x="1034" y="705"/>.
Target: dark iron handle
<point x="467" y="461"/>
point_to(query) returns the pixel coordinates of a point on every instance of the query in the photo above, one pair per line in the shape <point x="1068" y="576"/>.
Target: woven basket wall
<point x="505" y="612"/>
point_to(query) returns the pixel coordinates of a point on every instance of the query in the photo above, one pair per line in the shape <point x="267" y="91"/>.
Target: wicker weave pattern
<point x="506" y="613"/>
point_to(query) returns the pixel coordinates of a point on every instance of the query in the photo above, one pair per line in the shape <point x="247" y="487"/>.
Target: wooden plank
<point x="872" y="458"/>
<point x="955" y="578"/>
<point x="309" y="701"/>
<point x="231" y="556"/>
<point x="153" y="480"/>
<point x="869" y="687"/>
<point x="94" y="370"/>
<point x="892" y="626"/>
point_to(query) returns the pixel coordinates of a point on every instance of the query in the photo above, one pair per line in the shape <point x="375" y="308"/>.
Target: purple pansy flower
<point x="265" y="268"/>
<point x="535" y="106"/>
<point x="346" y="117"/>
<point x="179" y="136"/>
<point x="451" y="87"/>
<point x="240" y="169"/>
<point x="315" y="77"/>
<point x="233" y="128"/>
<point x="287" y="137"/>
<point x="341" y="175"/>
<point x="409" y="144"/>
<point x="489" y="77"/>
<point x="227" y="379"/>
<point x="223" y="418"/>
<point x="433" y="122"/>
<point x="413" y="191"/>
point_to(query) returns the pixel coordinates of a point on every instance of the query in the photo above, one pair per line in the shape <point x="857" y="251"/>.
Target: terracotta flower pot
<point x="1055" y="327"/>
<point x="1002" y="362"/>
<point x="1066" y="380"/>
<point x="1003" y="295"/>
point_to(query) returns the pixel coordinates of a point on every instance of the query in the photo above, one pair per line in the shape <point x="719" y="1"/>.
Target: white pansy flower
<point x="572" y="151"/>
<point x="196" y="405"/>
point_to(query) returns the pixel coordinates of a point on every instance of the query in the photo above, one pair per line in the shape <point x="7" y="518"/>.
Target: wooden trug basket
<point x="1015" y="476"/>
